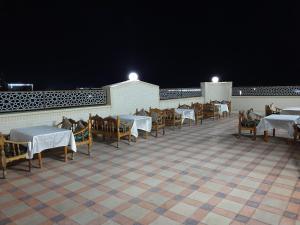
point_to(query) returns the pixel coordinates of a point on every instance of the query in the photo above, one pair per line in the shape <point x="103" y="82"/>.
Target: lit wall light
<point x="215" y="79"/>
<point x="240" y="92"/>
<point x="133" y="76"/>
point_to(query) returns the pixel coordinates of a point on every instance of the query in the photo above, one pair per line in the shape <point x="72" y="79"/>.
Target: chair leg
<point x="163" y="131"/>
<point x="273" y="132"/>
<point x="156" y="133"/>
<point x="4" y="172"/>
<point x="89" y="149"/>
<point x="29" y="164"/>
<point x="254" y="133"/>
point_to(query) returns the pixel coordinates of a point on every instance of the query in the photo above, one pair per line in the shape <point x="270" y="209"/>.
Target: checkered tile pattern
<point x="200" y="174"/>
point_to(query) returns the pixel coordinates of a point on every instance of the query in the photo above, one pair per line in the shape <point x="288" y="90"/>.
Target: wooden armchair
<point x="211" y="110"/>
<point x="271" y="109"/>
<point x="172" y="118"/>
<point x="158" y="120"/>
<point x="11" y="151"/>
<point x="198" y="108"/>
<point x="184" y="106"/>
<point x="246" y="124"/>
<point x="82" y="131"/>
<point x="110" y="128"/>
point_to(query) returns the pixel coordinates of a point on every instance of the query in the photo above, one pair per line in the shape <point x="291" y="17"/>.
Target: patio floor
<point x="195" y="175"/>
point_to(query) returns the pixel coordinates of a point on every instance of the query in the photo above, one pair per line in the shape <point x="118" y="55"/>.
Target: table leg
<point x="40" y="159"/>
<point x="273" y="132"/>
<point x="66" y="153"/>
<point x="266" y="136"/>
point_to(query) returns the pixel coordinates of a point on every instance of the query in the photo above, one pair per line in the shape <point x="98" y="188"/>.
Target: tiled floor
<point x="194" y="175"/>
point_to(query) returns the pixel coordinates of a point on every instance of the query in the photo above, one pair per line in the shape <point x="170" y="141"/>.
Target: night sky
<point x="59" y="46"/>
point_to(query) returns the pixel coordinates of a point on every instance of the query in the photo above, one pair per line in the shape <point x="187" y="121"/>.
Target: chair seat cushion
<point x="250" y="123"/>
<point x="79" y="137"/>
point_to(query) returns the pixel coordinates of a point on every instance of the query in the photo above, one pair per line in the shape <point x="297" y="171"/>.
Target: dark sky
<point x="173" y="45"/>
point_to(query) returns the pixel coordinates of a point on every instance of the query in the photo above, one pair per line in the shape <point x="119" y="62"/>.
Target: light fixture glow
<point x="133" y="76"/>
<point x="215" y="79"/>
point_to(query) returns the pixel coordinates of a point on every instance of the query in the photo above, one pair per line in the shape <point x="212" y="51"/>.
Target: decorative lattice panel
<point x="37" y="100"/>
<point x="179" y="93"/>
<point x="267" y="91"/>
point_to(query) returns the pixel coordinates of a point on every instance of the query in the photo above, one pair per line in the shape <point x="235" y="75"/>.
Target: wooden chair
<point x="184" y="106"/>
<point x="270" y="109"/>
<point x="110" y="128"/>
<point x="82" y="132"/>
<point x="172" y="118"/>
<point x="158" y="120"/>
<point x="210" y="110"/>
<point x="198" y="108"/>
<point x="246" y="124"/>
<point x="11" y="151"/>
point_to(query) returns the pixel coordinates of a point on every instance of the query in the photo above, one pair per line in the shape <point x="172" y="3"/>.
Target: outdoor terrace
<point x="201" y="174"/>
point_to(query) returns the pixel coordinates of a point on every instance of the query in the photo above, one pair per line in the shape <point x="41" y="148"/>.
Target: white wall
<point x="9" y="121"/>
<point x="173" y="103"/>
<point x="258" y="102"/>
<point x="216" y="91"/>
<point x="126" y="97"/>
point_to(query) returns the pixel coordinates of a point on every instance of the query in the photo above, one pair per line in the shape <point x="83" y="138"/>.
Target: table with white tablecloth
<point x="222" y="108"/>
<point x="186" y="114"/>
<point x="43" y="137"/>
<point x="291" y="111"/>
<point x="276" y="121"/>
<point x="138" y="123"/>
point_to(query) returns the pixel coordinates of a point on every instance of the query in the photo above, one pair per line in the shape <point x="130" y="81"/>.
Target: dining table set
<point x="286" y="120"/>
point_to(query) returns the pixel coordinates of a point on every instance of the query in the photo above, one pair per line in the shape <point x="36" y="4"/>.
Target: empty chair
<point x="158" y="120"/>
<point x="210" y="110"/>
<point x="198" y="108"/>
<point x="110" y="128"/>
<point x="172" y="118"/>
<point x="11" y="151"/>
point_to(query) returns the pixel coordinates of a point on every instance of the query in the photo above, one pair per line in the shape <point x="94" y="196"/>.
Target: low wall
<point x="9" y="121"/>
<point x="258" y="102"/>
<point x="173" y="103"/>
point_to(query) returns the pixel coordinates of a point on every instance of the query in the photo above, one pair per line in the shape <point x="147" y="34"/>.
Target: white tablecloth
<point x="222" y="108"/>
<point x="40" y="138"/>
<point x="291" y="111"/>
<point x="186" y="113"/>
<point x="138" y="123"/>
<point x="284" y="122"/>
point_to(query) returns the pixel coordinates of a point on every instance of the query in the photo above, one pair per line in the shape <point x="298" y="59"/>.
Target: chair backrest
<point x="184" y="106"/>
<point x="198" y="107"/>
<point x="242" y="117"/>
<point x="208" y="107"/>
<point x="97" y="122"/>
<point x="157" y="115"/>
<point x="169" y="113"/>
<point x="111" y="124"/>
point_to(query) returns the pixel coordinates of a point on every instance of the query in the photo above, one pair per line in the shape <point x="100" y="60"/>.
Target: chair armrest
<point x="16" y="142"/>
<point x="81" y="131"/>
